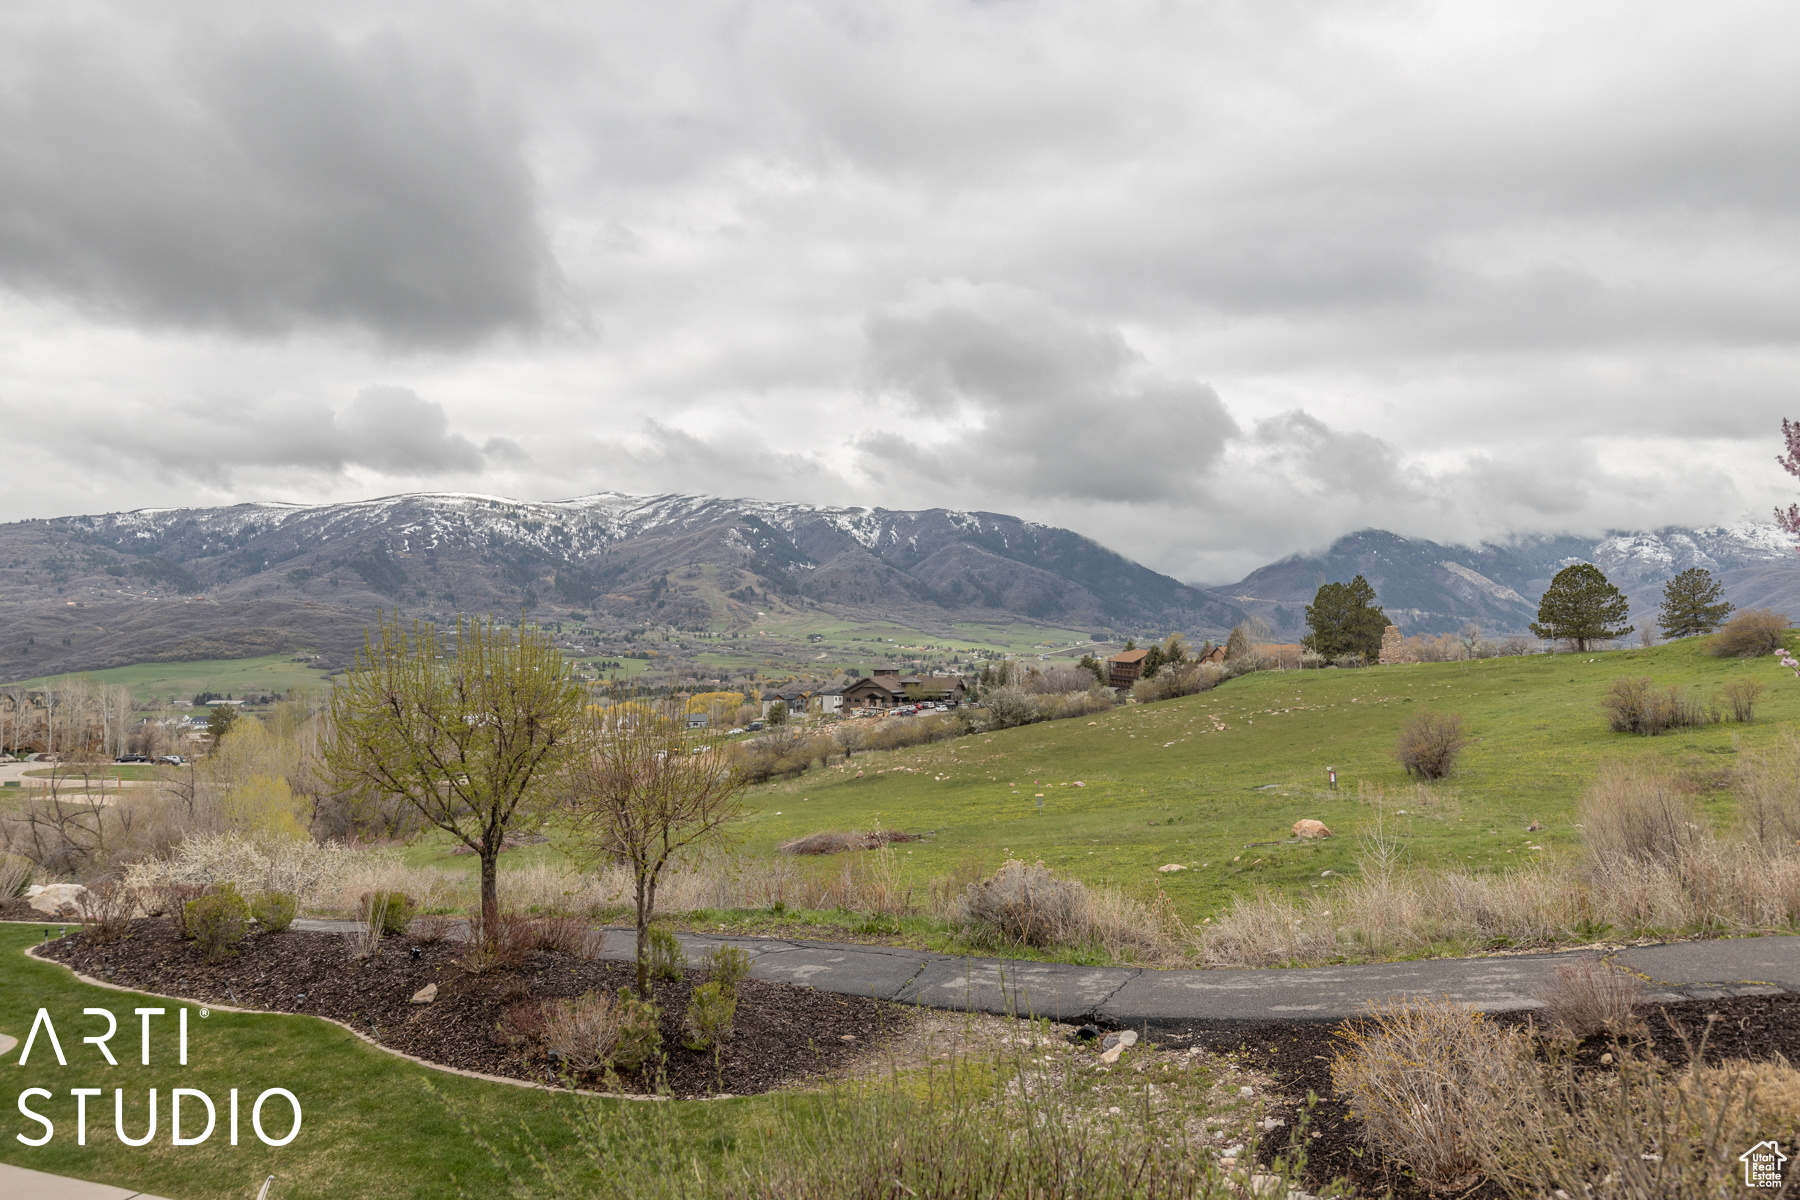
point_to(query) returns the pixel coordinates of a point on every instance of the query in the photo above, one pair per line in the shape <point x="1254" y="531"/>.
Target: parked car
<point x="132" y="758"/>
<point x="172" y="760"/>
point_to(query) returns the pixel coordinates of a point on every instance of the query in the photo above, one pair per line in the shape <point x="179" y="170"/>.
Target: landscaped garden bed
<point x="1299" y="1056"/>
<point x="781" y="1034"/>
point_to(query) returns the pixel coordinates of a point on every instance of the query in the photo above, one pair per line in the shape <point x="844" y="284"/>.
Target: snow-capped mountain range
<point x="86" y="592"/>
<point x="1432" y="587"/>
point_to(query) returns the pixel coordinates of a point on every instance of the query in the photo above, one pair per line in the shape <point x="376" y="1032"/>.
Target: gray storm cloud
<point x="1212" y="283"/>
<point x="276" y="181"/>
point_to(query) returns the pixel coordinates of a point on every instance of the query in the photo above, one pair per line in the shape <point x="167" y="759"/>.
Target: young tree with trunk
<point x="466" y="733"/>
<point x="642" y="789"/>
<point x="1691" y="604"/>
<point x="1581" y="605"/>
<point x="1344" y="619"/>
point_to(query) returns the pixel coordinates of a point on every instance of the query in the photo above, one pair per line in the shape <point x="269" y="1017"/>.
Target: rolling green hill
<point x="1203" y="781"/>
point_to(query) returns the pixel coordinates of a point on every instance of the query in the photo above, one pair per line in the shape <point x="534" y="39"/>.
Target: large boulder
<point x="1311" y="829"/>
<point x="56" y="899"/>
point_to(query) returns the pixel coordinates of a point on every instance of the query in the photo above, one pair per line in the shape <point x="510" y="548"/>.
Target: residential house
<point x="1125" y="668"/>
<point x="886" y="688"/>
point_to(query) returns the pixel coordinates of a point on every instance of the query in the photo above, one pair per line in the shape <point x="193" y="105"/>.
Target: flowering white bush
<point x="302" y="867"/>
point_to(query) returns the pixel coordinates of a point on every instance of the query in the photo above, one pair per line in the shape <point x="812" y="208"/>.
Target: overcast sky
<point x="1211" y="282"/>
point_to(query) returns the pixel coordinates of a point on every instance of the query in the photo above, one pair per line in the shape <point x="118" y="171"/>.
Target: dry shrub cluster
<point x="1651" y="865"/>
<point x="316" y="872"/>
<point x="1029" y="905"/>
<point x="502" y="944"/>
<point x="1429" y="743"/>
<point x="1590" y="996"/>
<point x="16" y="873"/>
<point x="1751" y="634"/>
<point x="1456" y="1099"/>
<point x="1638" y="705"/>
<point x="568" y="935"/>
<point x="106" y="910"/>
<point x="1430" y="1081"/>
<point x="1184" y="679"/>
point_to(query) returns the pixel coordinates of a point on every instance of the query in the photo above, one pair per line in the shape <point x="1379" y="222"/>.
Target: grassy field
<point x="371" y="1128"/>
<point x="136" y="772"/>
<point x="1208" y="781"/>
<point x="182" y="680"/>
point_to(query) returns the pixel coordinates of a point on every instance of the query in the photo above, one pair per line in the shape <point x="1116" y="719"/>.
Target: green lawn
<point x="371" y="1128"/>
<point x="1198" y="781"/>
<point x="182" y="680"/>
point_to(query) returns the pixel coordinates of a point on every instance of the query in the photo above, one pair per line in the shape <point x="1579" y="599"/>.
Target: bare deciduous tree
<point x="642" y="789"/>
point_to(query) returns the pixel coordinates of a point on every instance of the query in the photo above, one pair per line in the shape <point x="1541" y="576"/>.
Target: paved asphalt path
<point x="1141" y="996"/>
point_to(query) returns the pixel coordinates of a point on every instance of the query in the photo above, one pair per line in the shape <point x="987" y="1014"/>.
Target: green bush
<point x="217" y="922"/>
<point x="395" y="909"/>
<point x="711" y="1007"/>
<point x="666" y="957"/>
<point x="639" y="1039"/>
<point x="274" y="911"/>
<point x="728" y="966"/>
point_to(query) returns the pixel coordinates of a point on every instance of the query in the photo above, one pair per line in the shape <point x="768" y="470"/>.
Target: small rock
<point x="1606" y="1060"/>
<point x="426" y="994"/>
<point x="1170" y="868"/>
<point x="1326" y="874"/>
<point x="1078" y="783"/>
<point x="1086" y="1033"/>
<point x="1114" y="1110"/>
<point x="1533" y="827"/>
<point x="1309" y="828"/>
<point x="1126" y="1038"/>
<point x="1234" y="1151"/>
<point x="846" y="1037"/>
<point x="1244" y="1091"/>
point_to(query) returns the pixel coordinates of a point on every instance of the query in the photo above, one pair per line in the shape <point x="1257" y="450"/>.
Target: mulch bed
<point x="1757" y="1028"/>
<point x="781" y="1034"/>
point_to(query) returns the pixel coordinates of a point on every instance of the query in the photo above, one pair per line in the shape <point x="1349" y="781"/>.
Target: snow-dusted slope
<point x="684" y="560"/>
<point x="1427" y="586"/>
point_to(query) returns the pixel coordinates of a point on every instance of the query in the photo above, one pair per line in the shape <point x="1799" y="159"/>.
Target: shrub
<point x="1637" y="705"/>
<point x="583" y="1032"/>
<point x="1589" y="996"/>
<point x="1008" y="707"/>
<point x="1742" y="695"/>
<point x="432" y="928"/>
<point x="640" y="1037"/>
<point x="1187" y="679"/>
<point x="217" y="922"/>
<point x="106" y="911"/>
<point x="168" y="899"/>
<point x="15" y="875"/>
<point x="1429" y="743"/>
<point x="1430" y="1082"/>
<point x="502" y="944"/>
<point x="568" y="935"/>
<point x="1769" y="795"/>
<point x="1751" y="634"/>
<point x="728" y="966"/>
<point x="666" y="956"/>
<point x="392" y="910"/>
<point x="1025" y="905"/>
<point x="274" y="911"/>
<point x="1637" y="814"/>
<point x="710" y="1009"/>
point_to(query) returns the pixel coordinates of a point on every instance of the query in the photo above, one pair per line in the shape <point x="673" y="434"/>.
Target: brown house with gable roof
<point x="887" y="688"/>
<point x="1125" y="668"/>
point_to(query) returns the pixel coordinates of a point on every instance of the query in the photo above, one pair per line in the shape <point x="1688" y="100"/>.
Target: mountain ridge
<point x="90" y="591"/>
<point x="1436" y="587"/>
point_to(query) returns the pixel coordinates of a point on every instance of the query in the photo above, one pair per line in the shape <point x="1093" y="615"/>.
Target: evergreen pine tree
<point x="1691" y="604"/>
<point x="1580" y="605"/>
<point x="1344" y="619"/>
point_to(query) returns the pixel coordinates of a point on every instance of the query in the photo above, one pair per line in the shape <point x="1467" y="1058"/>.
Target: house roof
<point x="1130" y="656"/>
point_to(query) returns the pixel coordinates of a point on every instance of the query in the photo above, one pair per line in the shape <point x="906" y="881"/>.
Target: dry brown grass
<point x="568" y="935"/>
<point x="1029" y="905"/>
<point x="1590" y="996"/>
<point x="1768" y="781"/>
<point x="1636" y="813"/>
<point x="1429" y="1082"/>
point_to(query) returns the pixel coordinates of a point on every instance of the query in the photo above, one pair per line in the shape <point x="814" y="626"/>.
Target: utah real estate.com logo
<point x="1762" y="1165"/>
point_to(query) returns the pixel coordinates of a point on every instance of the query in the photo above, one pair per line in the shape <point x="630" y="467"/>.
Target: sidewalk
<point x="1146" y="996"/>
<point x="22" y="1183"/>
